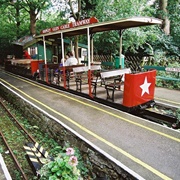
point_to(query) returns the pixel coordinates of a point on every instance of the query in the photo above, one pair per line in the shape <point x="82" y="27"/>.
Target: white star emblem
<point x="145" y="87"/>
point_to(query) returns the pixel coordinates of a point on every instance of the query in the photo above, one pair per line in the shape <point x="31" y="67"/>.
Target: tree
<point x="174" y="17"/>
<point x="103" y="10"/>
<point x="76" y="16"/>
<point x="116" y="9"/>
<point x="32" y="7"/>
<point x="164" y="15"/>
<point x="169" y="12"/>
<point x="11" y="15"/>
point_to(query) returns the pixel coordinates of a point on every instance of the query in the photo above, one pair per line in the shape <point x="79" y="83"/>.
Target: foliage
<point x="21" y="12"/>
<point x="178" y="114"/>
<point x="56" y="12"/>
<point x="174" y="17"/>
<point x="1" y="149"/>
<point x="169" y="62"/>
<point x="133" y="39"/>
<point x="168" y="44"/>
<point x="64" y="167"/>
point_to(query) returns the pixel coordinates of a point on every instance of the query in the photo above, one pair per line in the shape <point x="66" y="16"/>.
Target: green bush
<point x="64" y="167"/>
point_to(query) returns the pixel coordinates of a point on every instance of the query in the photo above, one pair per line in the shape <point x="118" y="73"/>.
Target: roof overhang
<point x="104" y="26"/>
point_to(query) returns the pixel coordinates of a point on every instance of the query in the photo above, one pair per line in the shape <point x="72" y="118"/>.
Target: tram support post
<point x="120" y="46"/>
<point x="45" y="59"/>
<point x="92" y="52"/>
<point x="64" y="73"/>
<point x="89" y="63"/>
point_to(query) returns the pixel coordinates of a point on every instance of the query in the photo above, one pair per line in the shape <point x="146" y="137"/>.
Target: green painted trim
<point x="167" y="78"/>
<point x="158" y="68"/>
<point x="107" y="64"/>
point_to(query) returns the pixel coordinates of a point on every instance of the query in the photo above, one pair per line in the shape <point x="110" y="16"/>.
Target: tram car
<point x="24" y="67"/>
<point x="122" y="87"/>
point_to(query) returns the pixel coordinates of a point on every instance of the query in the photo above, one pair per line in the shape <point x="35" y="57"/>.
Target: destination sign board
<point x="171" y="69"/>
<point x="70" y="25"/>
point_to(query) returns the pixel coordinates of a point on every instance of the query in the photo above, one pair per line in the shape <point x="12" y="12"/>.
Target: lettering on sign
<point x="172" y="69"/>
<point x="64" y="26"/>
<point x="46" y="31"/>
<point x="81" y="23"/>
<point x="55" y="29"/>
<point x="70" y="25"/>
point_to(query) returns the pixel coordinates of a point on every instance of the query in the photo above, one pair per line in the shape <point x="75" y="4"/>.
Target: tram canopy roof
<point x="104" y="26"/>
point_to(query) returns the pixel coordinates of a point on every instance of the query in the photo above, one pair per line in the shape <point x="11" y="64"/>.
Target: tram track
<point x="164" y="114"/>
<point x="13" y="136"/>
<point x="19" y="146"/>
<point x="13" y="118"/>
<point x="13" y="157"/>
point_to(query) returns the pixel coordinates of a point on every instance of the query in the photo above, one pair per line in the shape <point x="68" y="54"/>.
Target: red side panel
<point x="139" y="88"/>
<point x="35" y="65"/>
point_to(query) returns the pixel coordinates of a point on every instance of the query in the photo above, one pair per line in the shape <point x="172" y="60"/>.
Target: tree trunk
<point x="76" y="16"/>
<point x="32" y="23"/>
<point x="164" y="17"/>
<point x="18" y="23"/>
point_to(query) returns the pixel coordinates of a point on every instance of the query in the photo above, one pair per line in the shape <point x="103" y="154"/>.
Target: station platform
<point x="4" y="173"/>
<point x="148" y="149"/>
<point x="167" y="96"/>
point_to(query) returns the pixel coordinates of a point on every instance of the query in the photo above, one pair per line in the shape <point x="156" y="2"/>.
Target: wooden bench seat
<point x="81" y="76"/>
<point x="113" y="80"/>
<point x="68" y="73"/>
<point x="95" y="77"/>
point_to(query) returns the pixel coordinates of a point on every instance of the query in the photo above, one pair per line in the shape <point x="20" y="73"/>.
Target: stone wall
<point x="100" y="167"/>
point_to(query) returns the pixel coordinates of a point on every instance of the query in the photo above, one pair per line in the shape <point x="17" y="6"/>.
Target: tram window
<point x="32" y="51"/>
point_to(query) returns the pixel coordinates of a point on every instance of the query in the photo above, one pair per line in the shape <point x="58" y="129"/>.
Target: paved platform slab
<point x="168" y="96"/>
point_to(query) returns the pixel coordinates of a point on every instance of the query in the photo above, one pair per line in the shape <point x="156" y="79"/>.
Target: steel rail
<point x="13" y="156"/>
<point x="12" y="116"/>
<point x="161" y="117"/>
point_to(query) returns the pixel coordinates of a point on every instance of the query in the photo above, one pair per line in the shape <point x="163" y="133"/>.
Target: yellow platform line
<point x="166" y="100"/>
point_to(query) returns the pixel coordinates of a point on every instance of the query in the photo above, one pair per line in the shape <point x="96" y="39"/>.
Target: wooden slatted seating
<point x="95" y="77"/>
<point x="81" y="76"/>
<point x="113" y="80"/>
<point x="68" y="73"/>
